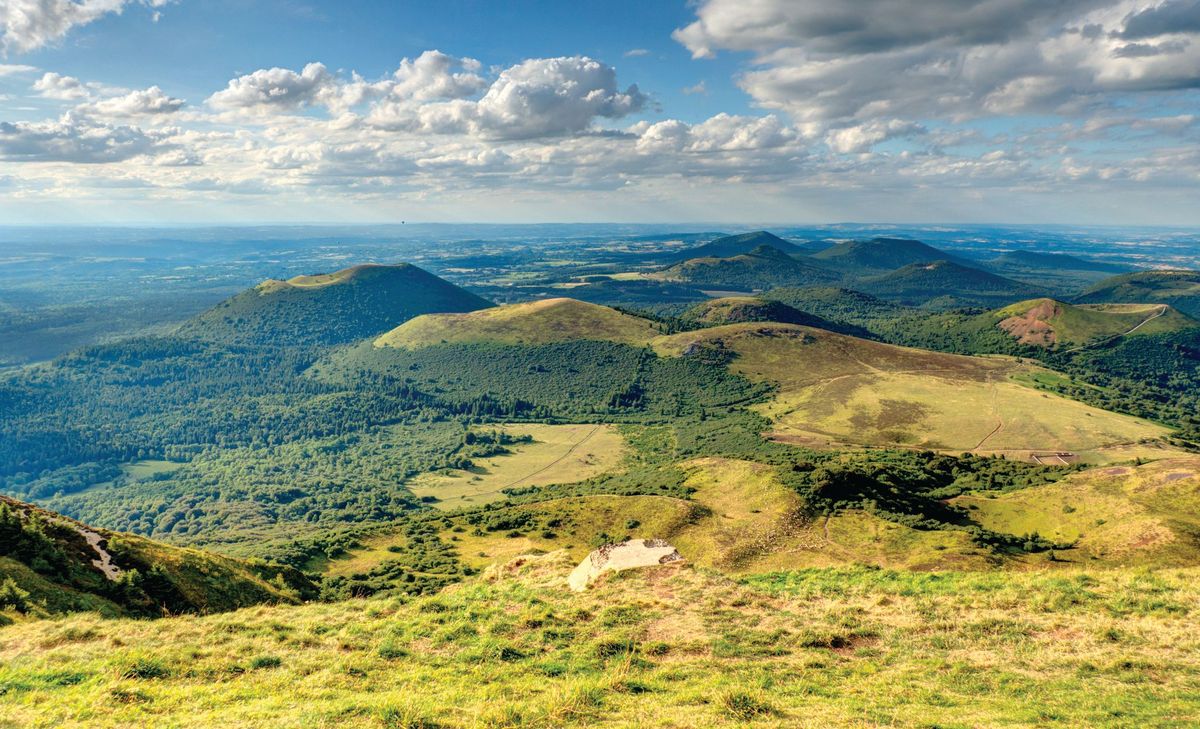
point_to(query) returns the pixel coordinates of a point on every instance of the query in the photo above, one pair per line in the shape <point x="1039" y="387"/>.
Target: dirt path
<point x="1162" y="309"/>
<point x="996" y="412"/>
<point x="556" y="461"/>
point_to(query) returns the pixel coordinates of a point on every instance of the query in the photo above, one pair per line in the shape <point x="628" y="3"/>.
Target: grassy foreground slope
<point x="834" y="389"/>
<point x="50" y="564"/>
<point x="671" y="646"/>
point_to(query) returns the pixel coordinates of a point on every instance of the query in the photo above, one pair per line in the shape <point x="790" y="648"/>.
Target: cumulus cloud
<point x="537" y="98"/>
<point x="147" y="102"/>
<point x="26" y="25"/>
<point x="56" y="86"/>
<point x="435" y="75"/>
<point x="274" y="89"/>
<point x="72" y="139"/>
<point x="548" y="96"/>
<point x="863" y="137"/>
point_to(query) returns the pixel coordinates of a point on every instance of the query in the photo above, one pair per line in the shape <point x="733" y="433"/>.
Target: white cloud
<point x="12" y="69"/>
<point x="537" y="98"/>
<point x="272" y="89"/>
<point x="26" y="25"/>
<point x="73" y="139"/>
<point x="863" y="137"/>
<point x="56" y="86"/>
<point x="699" y="88"/>
<point x="636" y="53"/>
<point x="435" y="75"/>
<point x="147" y="102"/>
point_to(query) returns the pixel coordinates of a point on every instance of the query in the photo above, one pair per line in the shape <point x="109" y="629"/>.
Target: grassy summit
<point x="330" y="308"/>
<point x="537" y="322"/>
<point x="1049" y="323"/>
<point x="737" y="245"/>
<point x="763" y="267"/>
<point x="879" y="255"/>
<point x="739" y="309"/>
<point x="944" y="283"/>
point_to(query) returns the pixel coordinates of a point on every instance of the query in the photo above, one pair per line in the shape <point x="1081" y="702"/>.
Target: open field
<point x="840" y="390"/>
<point x="669" y="647"/>
<point x="558" y="454"/>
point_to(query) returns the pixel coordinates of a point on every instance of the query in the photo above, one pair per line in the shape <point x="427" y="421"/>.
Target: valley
<point x="357" y="478"/>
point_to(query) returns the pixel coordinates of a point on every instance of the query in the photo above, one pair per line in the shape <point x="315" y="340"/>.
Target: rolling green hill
<point x="50" y="564"/>
<point x="739" y="309"/>
<point x="1050" y="323"/>
<point x="839" y="305"/>
<point x="737" y="245"/>
<point x="764" y="267"/>
<point x="536" y="322"/>
<point x="334" y="308"/>
<point x="880" y="255"/>
<point x="944" y="284"/>
<point x="1131" y="515"/>
<point x="1180" y="289"/>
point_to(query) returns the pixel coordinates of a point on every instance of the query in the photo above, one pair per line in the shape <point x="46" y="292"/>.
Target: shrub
<point x="12" y="596"/>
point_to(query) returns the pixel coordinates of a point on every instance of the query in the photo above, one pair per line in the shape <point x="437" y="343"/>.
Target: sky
<point x="164" y="112"/>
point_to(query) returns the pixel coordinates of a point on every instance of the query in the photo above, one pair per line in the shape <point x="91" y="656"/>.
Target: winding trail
<point x="1162" y="309"/>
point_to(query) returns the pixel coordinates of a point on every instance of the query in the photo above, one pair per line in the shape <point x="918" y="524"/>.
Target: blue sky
<point x="161" y="111"/>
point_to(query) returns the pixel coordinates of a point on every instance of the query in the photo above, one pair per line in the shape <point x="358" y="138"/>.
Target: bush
<point x="12" y="596"/>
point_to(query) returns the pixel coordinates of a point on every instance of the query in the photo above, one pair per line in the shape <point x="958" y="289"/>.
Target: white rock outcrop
<point x="626" y="555"/>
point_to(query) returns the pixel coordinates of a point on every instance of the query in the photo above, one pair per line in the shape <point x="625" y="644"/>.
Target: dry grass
<point x="839" y="390"/>
<point x="740" y="520"/>
<point x="1121" y="515"/>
